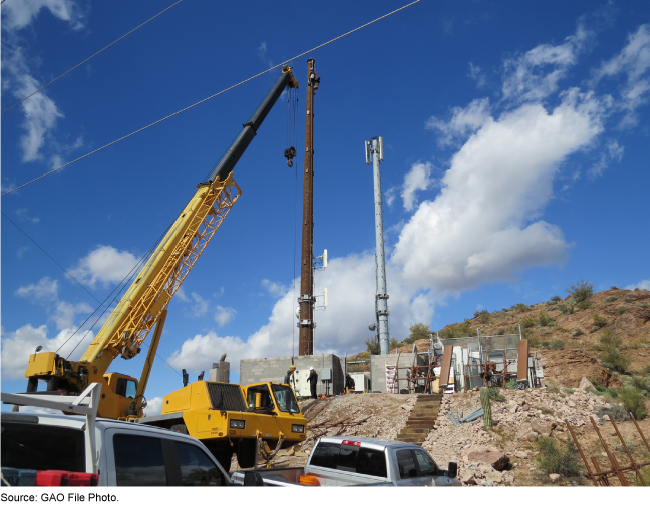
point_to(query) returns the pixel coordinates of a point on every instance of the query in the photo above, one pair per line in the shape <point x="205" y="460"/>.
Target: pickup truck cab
<point x="345" y="461"/>
<point x="111" y="452"/>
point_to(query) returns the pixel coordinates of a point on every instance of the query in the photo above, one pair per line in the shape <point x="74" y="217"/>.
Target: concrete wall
<point x="259" y="370"/>
<point x="378" y="370"/>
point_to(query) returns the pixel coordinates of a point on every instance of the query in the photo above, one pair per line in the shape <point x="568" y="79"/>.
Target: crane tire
<point x="246" y="453"/>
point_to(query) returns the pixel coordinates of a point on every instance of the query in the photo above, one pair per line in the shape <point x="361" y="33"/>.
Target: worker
<point x="287" y="378"/>
<point x="313" y="381"/>
<point x="349" y="384"/>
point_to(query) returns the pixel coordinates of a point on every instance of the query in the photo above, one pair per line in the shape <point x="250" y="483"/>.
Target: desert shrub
<point x="544" y="319"/>
<point x="355" y="367"/>
<point x="577" y="333"/>
<point x="642" y="304"/>
<point x="646" y="370"/>
<point x="642" y="384"/>
<point x="494" y="394"/>
<point x="372" y="345"/>
<point x="633" y="400"/>
<point x="417" y="331"/>
<point x="582" y="290"/>
<point x="553" y="388"/>
<point x="628" y="300"/>
<point x="566" y="309"/>
<point x="553" y="345"/>
<point x="520" y="307"/>
<point x="510" y="384"/>
<point x="456" y="330"/>
<point x="554" y="459"/>
<point x="551" y="302"/>
<point x="527" y="323"/>
<point x="599" y="321"/>
<point x="583" y="304"/>
<point x="620" y="311"/>
<point x="394" y="343"/>
<point x="613" y="359"/>
<point x="500" y="332"/>
<point x="556" y="298"/>
<point x="616" y="411"/>
<point x="615" y="288"/>
<point x="485" y="318"/>
<point x="533" y="341"/>
<point x="568" y="390"/>
<point x="611" y="298"/>
<point x="637" y="289"/>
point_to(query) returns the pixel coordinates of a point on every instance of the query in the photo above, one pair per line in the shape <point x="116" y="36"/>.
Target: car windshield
<point x="285" y="399"/>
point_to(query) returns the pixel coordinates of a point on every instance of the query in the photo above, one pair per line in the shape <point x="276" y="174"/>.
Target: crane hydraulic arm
<point x="144" y="303"/>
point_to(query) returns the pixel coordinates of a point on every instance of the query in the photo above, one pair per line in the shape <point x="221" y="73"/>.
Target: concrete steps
<point x="421" y="420"/>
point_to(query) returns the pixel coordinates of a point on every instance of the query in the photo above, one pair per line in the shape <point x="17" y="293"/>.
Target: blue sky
<point x="516" y="164"/>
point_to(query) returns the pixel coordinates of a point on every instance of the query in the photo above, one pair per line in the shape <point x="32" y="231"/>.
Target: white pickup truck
<point x="58" y="450"/>
<point x="344" y="461"/>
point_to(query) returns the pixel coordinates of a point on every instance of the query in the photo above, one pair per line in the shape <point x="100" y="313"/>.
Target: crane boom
<point x="162" y="275"/>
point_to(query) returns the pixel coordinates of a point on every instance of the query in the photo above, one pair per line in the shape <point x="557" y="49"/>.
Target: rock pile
<point x="497" y="456"/>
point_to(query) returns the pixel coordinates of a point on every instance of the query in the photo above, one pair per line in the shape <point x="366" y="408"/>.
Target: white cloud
<point x="22" y="214"/>
<point x="200" y="306"/>
<point x="645" y="285"/>
<point x="418" y="178"/>
<point x="612" y="152"/>
<point x="18" y="15"/>
<point x="104" y="265"/>
<point x="224" y="315"/>
<point x="464" y="121"/>
<point x="389" y="196"/>
<point x="154" y="406"/>
<point x="536" y="74"/>
<point x="634" y="61"/>
<point x="261" y="50"/>
<point x="476" y="74"/>
<point x="180" y="294"/>
<point x="481" y="227"/>
<point x="46" y="293"/>
<point x="18" y="345"/>
<point x="273" y="288"/>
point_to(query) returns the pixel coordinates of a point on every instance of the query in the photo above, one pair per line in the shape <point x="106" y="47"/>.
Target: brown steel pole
<point x="306" y="299"/>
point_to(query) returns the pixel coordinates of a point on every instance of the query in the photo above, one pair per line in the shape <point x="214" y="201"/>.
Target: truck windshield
<point x="350" y="458"/>
<point x="285" y="399"/>
<point x="41" y="447"/>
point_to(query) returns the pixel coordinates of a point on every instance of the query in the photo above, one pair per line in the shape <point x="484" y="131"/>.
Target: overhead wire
<point x="92" y="56"/>
<point x="208" y="98"/>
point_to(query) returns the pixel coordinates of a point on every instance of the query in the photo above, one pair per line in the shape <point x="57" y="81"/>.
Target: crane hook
<point x="290" y="153"/>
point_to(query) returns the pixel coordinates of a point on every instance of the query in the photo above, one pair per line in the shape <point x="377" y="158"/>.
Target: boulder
<point x="554" y="477"/>
<point x="468" y="478"/>
<point x="585" y="383"/>
<point x="531" y="436"/>
<point x="494" y="477"/>
<point x="498" y="460"/>
<point x="520" y="455"/>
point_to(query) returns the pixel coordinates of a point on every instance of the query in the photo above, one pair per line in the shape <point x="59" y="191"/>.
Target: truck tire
<point x="246" y="453"/>
<point x="225" y="458"/>
<point x="179" y="427"/>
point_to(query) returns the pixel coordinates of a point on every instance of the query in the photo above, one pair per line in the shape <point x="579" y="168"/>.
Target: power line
<point x="50" y="257"/>
<point x="208" y="98"/>
<point x="79" y="64"/>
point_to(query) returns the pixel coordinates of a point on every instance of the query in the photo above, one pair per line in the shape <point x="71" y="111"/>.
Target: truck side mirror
<point x="453" y="470"/>
<point x="253" y="479"/>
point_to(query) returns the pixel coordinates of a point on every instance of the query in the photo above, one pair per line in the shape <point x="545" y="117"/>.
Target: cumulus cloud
<point x="536" y="74"/>
<point x="103" y="265"/>
<point x="200" y="306"/>
<point x="18" y="15"/>
<point x="224" y="315"/>
<point x="482" y="226"/>
<point x="644" y="285"/>
<point x="634" y="62"/>
<point x="46" y="293"/>
<point x="19" y="345"/>
<point x="477" y="75"/>
<point x="154" y="406"/>
<point x="273" y="288"/>
<point x="612" y="152"/>
<point x="464" y="121"/>
<point x="418" y="178"/>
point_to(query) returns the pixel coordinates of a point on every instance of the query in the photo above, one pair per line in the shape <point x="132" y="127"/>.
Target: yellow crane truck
<point x="143" y="307"/>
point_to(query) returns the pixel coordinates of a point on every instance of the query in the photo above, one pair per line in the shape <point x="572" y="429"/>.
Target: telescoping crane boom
<point x="144" y="304"/>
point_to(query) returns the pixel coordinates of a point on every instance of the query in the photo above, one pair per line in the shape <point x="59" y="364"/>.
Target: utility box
<point x="325" y="375"/>
<point x="302" y="387"/>
<point x="361" y="382"/>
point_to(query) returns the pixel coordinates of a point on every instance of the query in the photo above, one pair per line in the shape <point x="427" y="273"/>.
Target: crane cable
<point x="206" y="99"/>
<point x="92" y="56"/>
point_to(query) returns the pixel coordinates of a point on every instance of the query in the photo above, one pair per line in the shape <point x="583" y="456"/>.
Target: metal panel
<point x="226" y="397"/>
<point x="522" y="360"/>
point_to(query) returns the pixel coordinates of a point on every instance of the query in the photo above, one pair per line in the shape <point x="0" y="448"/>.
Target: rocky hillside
<point x="566" y="333"/>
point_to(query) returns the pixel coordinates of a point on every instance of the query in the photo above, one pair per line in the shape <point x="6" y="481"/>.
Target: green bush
<point x="599" y="321"/>
<point x="510" y="384"/>
<point x="556" y="298"/>
<point x="553" y="345"/>
<point x="554" y="459"/>
<point x="566" y="309"/>
<point x="527" y="323"/>
<point x="577" y="333"/>
<point x="642" y="384"/>
<point x="616" y="411"/>
<point x="500" y="332"/>
<point x="583" y="304"/>
<point x="417" y="331"/>
<point x="646" y="370"/>
<point x="628" y="300"/>
<point x="485" y="318"/>
<point x="456" y="330"/>
<point x="615" y="288"/>
<point x="581" y="291"/>
<point x="551" y="302"/>
<point x="620" y="311"/>
<point x="520" y="307"/>
<point x="553" y="388"/>
<point x="544" y="319"/>
<point x="394" y="343"/>
<point x="494" y="395"/>
<point x="611" y="357"/>
<point x="372" y="345"/>
<point x="611" y="298"/>
<point x="633" y="400"/>
<point x="568" y="390"/>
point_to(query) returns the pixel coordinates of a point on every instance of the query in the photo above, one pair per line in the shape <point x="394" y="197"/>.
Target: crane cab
<point x="122" y="391"/>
